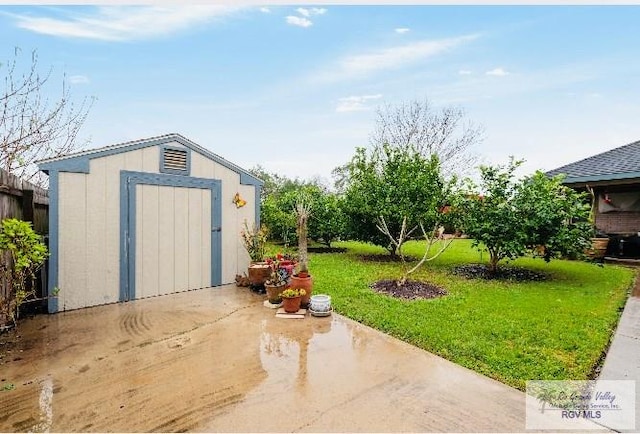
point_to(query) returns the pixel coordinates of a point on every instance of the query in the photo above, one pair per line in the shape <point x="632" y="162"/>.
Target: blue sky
<point x="295" y="88"/>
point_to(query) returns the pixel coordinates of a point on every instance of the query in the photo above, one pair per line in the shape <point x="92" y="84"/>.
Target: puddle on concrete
<point x="217" y="360"/>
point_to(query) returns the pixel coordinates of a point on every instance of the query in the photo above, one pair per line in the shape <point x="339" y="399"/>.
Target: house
<point x="145" y="218"/>
<point x="614" y="176"/>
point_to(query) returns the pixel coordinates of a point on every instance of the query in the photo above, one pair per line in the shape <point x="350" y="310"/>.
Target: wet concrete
<point x="623" y="358"/>
<point x="217" y="360"/>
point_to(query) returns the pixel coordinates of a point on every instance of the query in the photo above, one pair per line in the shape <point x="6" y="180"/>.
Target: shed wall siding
<point x="235" y="260"/>
<point x="72" y="278"/>
<point x="89" y="228"/>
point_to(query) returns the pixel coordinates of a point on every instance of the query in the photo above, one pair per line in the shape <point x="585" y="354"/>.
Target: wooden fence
<point x="25" y="201"/>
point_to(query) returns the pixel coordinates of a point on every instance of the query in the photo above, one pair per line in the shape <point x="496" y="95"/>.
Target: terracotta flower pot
<point x="598" y="248"/>
<point x="259" y="272"/>
<point x="291" y="305"/>
<point x="273" y="293"/>
<point x="305" y="283"/>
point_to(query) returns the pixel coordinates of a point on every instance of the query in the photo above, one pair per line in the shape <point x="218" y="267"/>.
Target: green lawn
<point x="513" y="332"/>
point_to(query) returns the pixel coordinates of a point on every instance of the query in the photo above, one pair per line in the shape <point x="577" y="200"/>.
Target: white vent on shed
<point x="175" y="159"/>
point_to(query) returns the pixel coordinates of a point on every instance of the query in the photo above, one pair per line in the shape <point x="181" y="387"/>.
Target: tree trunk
<point x="391" y="248"/>
<point x="493" y="263"/>
<point x="302" y="248"/>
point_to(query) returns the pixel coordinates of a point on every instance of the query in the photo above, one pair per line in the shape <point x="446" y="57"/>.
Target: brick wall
<point x="618" y="222"/>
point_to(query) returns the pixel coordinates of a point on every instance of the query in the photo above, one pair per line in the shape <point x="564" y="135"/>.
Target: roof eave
<point x="614" y="178"/>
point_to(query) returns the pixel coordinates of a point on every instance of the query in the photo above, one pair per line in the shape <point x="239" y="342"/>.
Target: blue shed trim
<point x="79" y="163"/>
<point x="247" y="179"/>
<point x="52" y="302"/>
<point x="128" y="182"/>
<point x="258" y="206"/>
<point x="186" y="172"/>
<point x="74" y="165"/>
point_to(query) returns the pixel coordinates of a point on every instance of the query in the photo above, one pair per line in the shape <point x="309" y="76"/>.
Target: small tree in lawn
<point x="391" y="194"/>
<point x="535" y="214"/>
<point x="491" y="219"/>
<point x="557" y="217"/>
<point x="395" y="185"/>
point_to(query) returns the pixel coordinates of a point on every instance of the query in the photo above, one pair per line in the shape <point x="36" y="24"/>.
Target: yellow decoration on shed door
<point x="240" y="202"/>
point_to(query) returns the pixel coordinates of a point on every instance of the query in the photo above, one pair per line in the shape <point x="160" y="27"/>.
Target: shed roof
<point x="79" y="161"/>
<point x="616" y="164"/>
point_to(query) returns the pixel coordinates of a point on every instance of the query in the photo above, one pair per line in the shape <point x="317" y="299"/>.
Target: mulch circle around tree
<point x="411" y="290"/>
<point x="385" y="257"/>
<point x="481" y="271"/>
<point x="326" y="249"/>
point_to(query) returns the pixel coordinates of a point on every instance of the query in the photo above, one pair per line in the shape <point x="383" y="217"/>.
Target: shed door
<point x="171" y="234"/>
<point x="173" y="240"/>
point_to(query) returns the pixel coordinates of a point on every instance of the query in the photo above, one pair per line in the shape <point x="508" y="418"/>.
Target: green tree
<point x="557" y="216"/>
<point x="396" y="185"/>
<point x="328" y="221"/>
<point x="535" y="214"/>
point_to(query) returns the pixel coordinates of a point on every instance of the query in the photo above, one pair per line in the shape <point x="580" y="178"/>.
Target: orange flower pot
<point x="291" y="305"/>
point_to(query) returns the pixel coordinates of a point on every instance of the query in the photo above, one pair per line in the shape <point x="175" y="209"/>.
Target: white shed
<point x="145" y="218"/>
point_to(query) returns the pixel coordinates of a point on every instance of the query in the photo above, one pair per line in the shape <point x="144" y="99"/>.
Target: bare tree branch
<point x="417" y="126"/>
<point x="32" y="127"/>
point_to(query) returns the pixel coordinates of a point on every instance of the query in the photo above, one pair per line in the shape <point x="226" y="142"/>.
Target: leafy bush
<point x="22" y="254"/>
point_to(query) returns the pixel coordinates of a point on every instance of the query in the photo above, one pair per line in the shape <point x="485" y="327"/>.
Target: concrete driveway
<point x="217" y="360"/>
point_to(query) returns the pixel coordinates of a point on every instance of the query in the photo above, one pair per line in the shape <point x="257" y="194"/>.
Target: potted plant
<point x="278" y="279"/>
<point x="302" y="279"/>
<point x="254" y="241"/>
<point x="291" y="299"/>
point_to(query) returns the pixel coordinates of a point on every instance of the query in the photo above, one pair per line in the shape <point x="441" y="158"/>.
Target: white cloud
<point x="464" y="72"/>
<point x="120" y="23"/>
<point x="303" y="20"/>
<point x="397" y="57"/>
<point x="498" y="72"/>
<point x="265" y="10"/>
<point x="402" y="30"/>
<point x="298" y="21"/>
<point x="305" y="12"/>
<point x="355" y="103"/>
<point x="79" y="79"/>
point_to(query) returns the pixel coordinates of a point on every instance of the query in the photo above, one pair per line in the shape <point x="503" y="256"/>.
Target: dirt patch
<point x="518" y="274"/>
<point x="411" y="290"/>
<point x="326" y="249"/>
<point x="385" y="257"/>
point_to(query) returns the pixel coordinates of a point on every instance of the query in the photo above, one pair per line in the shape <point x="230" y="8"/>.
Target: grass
<point x="512" y="332"/>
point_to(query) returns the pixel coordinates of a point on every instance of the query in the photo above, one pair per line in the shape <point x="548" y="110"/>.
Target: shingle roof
<point x="618" y="163"/>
